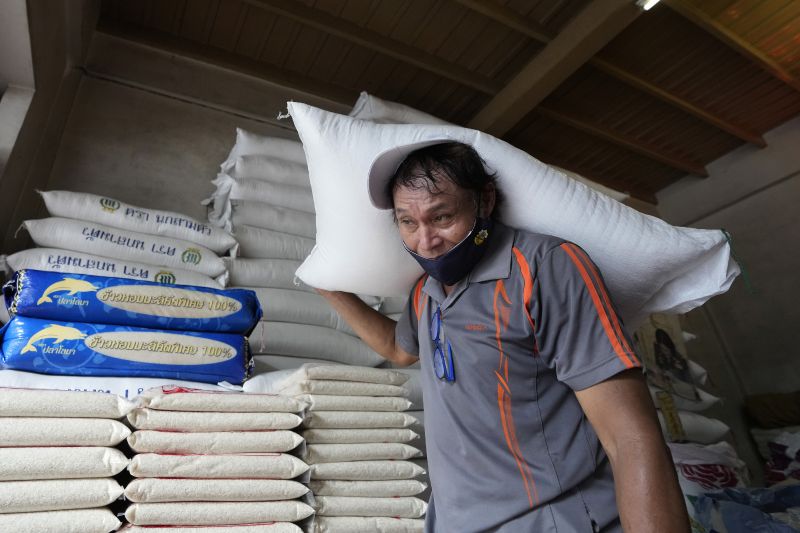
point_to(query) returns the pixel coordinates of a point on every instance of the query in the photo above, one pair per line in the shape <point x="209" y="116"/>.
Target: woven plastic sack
<point x="368" y="489"/>
<point x="336" y="453"/>
<point x="155" y="490"/>
<point x="268" y="216"/>
<point x="182" y="399"/>
<point x="272" y="169"/>
<point x="357" y="524"/>
<point x="62" y="404"/>
<point x="249" y="143"/>
<point x="230" y="466"/>
<point x="57" y="494"/>
<point x="212" y="443"/>
<point x="21" y="464"/>
<point x="72" y="521"/>
<point x="366" y="470"/>
<point x="205" y="422"/>
<point x="356" y="436"/>
<point x="401" y="507"/>
<point x="22" y="431"/>
<point x="267" y="244"/>
<point x="216" y="513"/>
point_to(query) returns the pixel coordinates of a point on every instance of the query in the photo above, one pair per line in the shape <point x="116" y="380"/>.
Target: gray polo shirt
<point x="509" y="447"/>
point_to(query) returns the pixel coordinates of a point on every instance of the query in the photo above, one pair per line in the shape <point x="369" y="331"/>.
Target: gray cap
<point x="385" y="165"/>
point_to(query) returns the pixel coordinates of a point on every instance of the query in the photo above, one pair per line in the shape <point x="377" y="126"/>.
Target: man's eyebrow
<point x="435" y="207"/>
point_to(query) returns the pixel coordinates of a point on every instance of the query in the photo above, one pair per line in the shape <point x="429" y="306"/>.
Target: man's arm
<point x="376" y="330"/>
<point x="648" y="495"/>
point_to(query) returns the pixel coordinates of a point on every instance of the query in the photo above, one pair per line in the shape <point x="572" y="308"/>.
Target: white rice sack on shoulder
<point x="62" y="404"/>
<point x="272" y="169"/>
<point x="74" y="520"/>
<point x="366" y="470"/>
<point x="232" y="466"/>
<point x="216" y="513"/>
<point x="170" y="398"/>
<point x="155" y="490"/>
<point x="268" y="216"/>
<point x="357" y="420"/>
<point x="70" y="262"/>
<point x="249" y="143"/>
<point x="648" y="265"/>
<point x="104" y="210"/>
<point x="271" y="527"/>
<point x="126" y="387"/>
<point x="205" y="422"/>
<point x="357" y="436"/>
<point x="336" y="453"/>
<point x="370" y="107"/>
<point x="369" y="489"/>
<point x="321" y="402"/>
<point x="21" y="464"/>
<point x="262" y="243"/>
<point x="22" y="431"/>
<point x="94" y="238"/>
<point x="402" y="507"/>
<point x="57" y="494"/>
<point x="365" y="524"/>
<point x="303" y="340"/>
<point x="212" y="443"/>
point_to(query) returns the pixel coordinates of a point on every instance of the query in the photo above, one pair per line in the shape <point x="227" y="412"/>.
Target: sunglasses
<point x="442" y="354"/>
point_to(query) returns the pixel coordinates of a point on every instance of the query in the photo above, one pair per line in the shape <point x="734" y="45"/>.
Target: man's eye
<point x="406" y="222"/>
<point x="442" y="218"/>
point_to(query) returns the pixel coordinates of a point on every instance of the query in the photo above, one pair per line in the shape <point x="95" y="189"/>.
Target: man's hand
<point x="648" y="495"/>
<point x="375" y="329"/>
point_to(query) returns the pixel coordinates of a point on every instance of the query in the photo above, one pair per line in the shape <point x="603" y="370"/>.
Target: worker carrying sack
<point x="73" y="348"/>
<point x="107" y="300"/>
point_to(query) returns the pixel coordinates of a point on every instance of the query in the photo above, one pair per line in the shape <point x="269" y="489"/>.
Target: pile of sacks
<point x="90" y="234"/>
<point x="357" y="439"/>
<point x="83" y="325"/>
<point x="207" y="459"/>
<point x="57" y="460"/>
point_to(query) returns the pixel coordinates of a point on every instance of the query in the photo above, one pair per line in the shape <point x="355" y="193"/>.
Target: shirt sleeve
<point x="578" y="331"/>
<point x="406" y="332"/>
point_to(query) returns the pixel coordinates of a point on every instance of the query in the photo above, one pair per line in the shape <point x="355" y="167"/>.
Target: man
<point x="525" y="367"/>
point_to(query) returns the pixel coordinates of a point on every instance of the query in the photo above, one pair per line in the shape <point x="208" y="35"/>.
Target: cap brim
<point x="385" y="165"/>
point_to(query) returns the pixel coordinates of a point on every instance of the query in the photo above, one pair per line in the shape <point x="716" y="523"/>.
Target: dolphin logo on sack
<point x="53" y="331"/>
<point x="192" y="256"/>
<point x="165" y="276"/>
<point x="109" y="204"/>
<point x="71" y="286"/>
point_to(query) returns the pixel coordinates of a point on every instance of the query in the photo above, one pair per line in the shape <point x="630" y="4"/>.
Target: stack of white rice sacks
<point x="263" y="196"/>
<point x="357" y="444"/>
<point x="103" y="328"/>
<point x="57" y="460"/>
<point x="90" y="234"/>
<point x="213" y="459"/>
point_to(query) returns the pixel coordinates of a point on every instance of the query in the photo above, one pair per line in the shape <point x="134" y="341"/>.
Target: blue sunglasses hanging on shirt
<point x="442" y="352"/>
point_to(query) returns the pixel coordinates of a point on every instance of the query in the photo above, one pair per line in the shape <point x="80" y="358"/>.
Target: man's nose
<point x="428" y="239"/>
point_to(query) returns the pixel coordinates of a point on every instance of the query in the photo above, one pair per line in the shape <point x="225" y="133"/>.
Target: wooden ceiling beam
<point x="628" y="143"/>
<point x="513" y="20"/>
<point x="377" y="42"/>
<point x="579" y="40"/>
<point x="734" y="41"/>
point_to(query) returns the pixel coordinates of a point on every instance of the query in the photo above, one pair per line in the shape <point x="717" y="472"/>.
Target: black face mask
<point x="453" y="266"/>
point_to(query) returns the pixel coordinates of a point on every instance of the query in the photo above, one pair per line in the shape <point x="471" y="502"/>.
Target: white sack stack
<point x="209" y="459"/>
<point x="57" y="459"/>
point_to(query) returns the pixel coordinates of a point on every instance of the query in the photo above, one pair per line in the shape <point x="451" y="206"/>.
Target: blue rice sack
<point x="107" y="300"/>
<point x="77" y="349"/>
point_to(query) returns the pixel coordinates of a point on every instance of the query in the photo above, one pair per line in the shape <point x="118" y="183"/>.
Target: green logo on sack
<point x="109" y="205"/>
<point x="192" y="256"/>
<point x="165" y="277"/>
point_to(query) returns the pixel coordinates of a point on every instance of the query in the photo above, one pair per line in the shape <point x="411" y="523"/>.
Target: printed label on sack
<point x="66" y="292"/>
<point x="142" y="299"/>
<point x="165" y="276"/>
<point x="57" y="334"/>
<point x="109" y="204"/>
<point x="672" y="421"/>
<point x="161" y="348"/>
<point x="191" y="256"/>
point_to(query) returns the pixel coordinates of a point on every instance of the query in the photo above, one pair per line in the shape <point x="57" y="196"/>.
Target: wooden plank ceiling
<point x="633" y="100"/>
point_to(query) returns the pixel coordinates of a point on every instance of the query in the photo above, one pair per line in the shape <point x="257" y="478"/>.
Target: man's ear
<point x="488" y="198"/>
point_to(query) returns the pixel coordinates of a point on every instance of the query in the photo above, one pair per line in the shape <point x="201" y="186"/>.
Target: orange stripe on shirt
<point x="526" y="470"/>
<point x="502" y="405"/>
<point x="417" y="294"/>
<point x="527" y="288"/>
<point x="598" y="305"/>
<point x="606" y="299"/>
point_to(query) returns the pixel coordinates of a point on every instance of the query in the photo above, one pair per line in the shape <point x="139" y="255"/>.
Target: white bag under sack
<point x="272" y="169"/>
<point x="61" y="404"/>
<point x="182" y="399"/>
<point x="370" y="489"/>
<point x="21" y="464"/>
<point x="268" y="216"/>
<point x="216" y="513"/>
<point x="374" y="524"/>
<point x="359" y="374"/>
<point x="413" y="386"/>
<point x="211" y="443"/>
<point x="366" y="470"/>
<point x="271" y="527"/>
<point x="284" y="305"/>
<point x="274" y="273"/>
<point x="231" y="466"/>
<point x="370" y="107"/>
<point x="358" y="436"/>
<point x="72" y="521"/>
<point x="116" y="214"/>
<point x="207" y="422"/>
<point x="343" y="388"/>
<point x="267" y="244"/>
<point x="302" y="340"/>
<point x="57" y="494"/>
<point x="248" y="143"/>
<point x="22" y="431"/>
<point x="123" y="387"/>
<point x="69" y="262"/>
<point x="698" y="428"/>
<point x="155" y="490"/>
<point x="403" y="507"/>
<point x="357" y="420"/>
<point x="98" y="239"/>
<point x="337" y="453"/>
<point x="321" y="402"/>
<point x="648" y="265"/>
<point x="273" y="363"/>
<point x="705" y="400"/>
